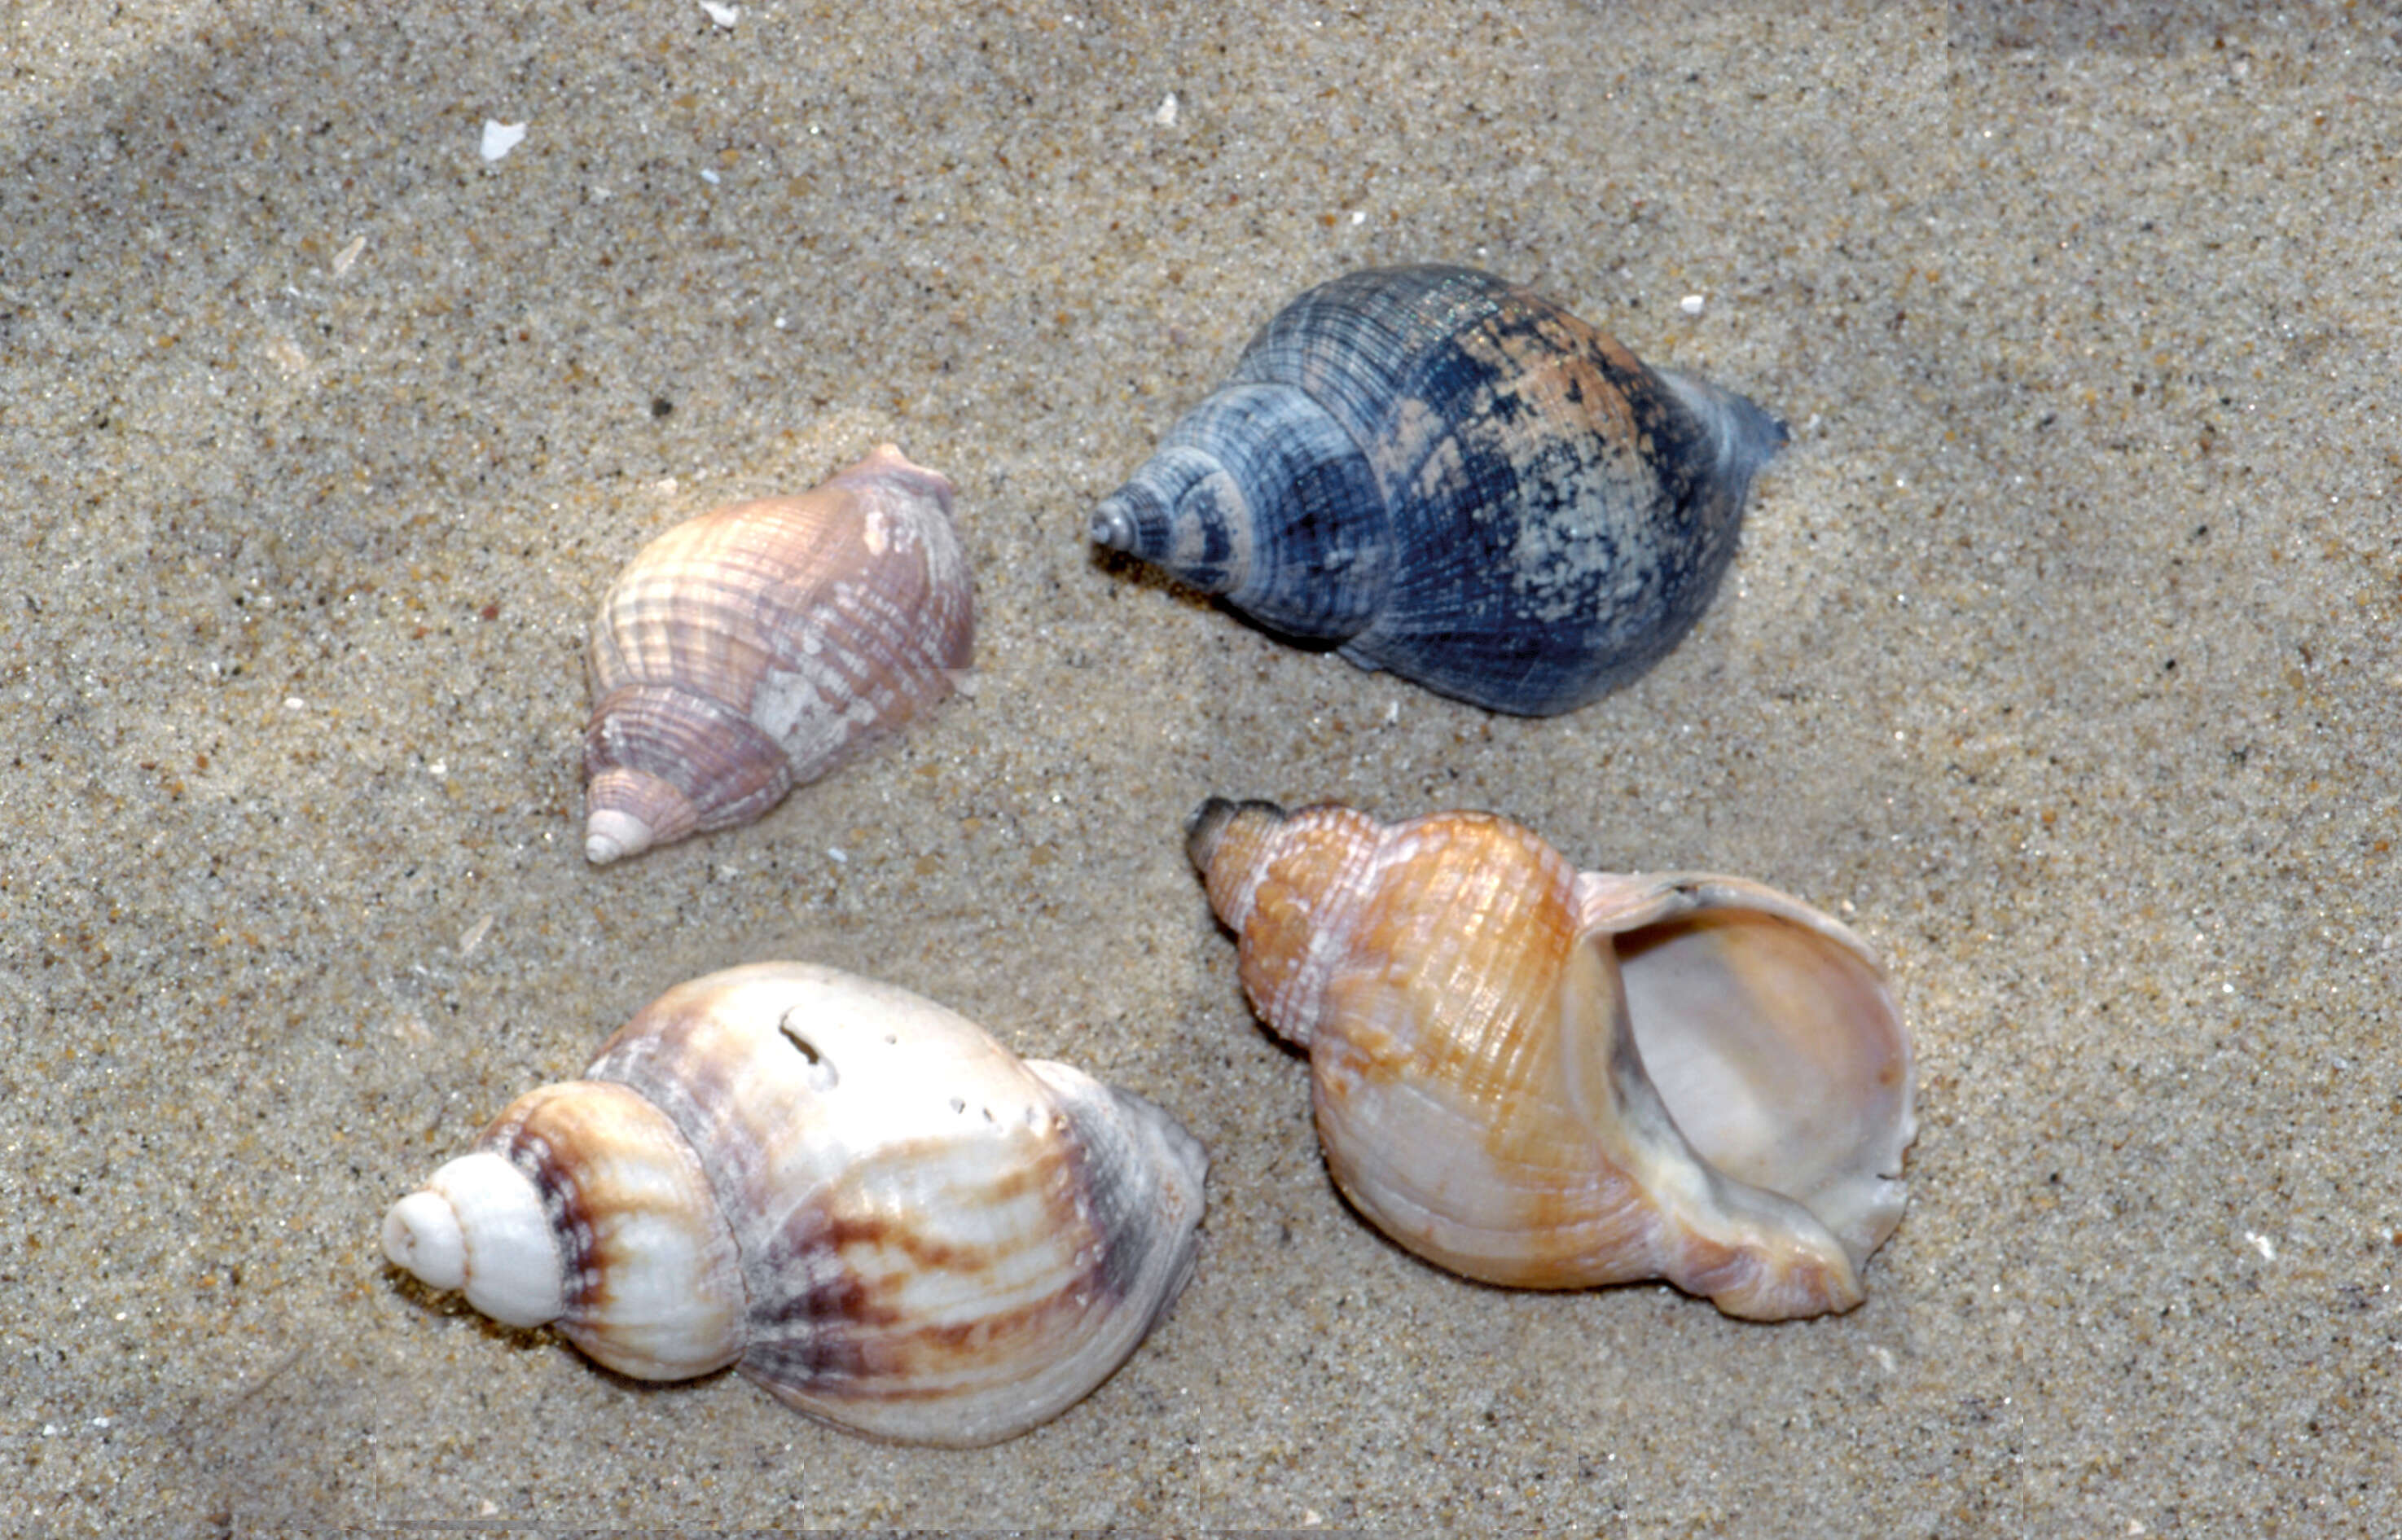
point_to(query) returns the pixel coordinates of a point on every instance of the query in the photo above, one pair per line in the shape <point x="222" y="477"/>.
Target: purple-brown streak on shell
<point x="762" y="645"/>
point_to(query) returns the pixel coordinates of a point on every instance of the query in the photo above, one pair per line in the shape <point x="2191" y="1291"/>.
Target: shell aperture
<point x="851" y="1195"/>
<point x="1549" y="1079"/>
<point x="1454" y="479"/>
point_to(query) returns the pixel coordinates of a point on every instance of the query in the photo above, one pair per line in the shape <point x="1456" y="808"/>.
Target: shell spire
<point x="1453" y="478"/>
<point x="1549" y="1079"/>
<point x="764" y="644"/>
<point x="852" y="1195"/>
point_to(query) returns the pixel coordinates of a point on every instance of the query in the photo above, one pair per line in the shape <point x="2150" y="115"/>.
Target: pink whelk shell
<point x="762" y="645"/>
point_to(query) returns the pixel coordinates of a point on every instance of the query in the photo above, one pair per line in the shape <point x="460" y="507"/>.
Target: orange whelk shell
<point x="855" y="1197"/>
<point x="1549" y="1079"/>
<point x="762" y="645"/>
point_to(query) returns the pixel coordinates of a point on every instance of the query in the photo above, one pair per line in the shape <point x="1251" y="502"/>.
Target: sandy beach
<point x="2057" y="659"/>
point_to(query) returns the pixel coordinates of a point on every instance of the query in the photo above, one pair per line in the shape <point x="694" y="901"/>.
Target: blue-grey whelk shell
<point x="1456" y="480"/>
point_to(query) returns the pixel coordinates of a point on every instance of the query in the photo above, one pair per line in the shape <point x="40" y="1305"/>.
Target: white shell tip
<point x="422" y="1236"/>
<point x="479" y="1226"/>
<point x="612" y="833"/>
<point x="1113" y="527"/>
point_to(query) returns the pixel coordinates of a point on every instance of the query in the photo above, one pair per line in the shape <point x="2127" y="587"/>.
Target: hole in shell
<point x="822" y="1076"/>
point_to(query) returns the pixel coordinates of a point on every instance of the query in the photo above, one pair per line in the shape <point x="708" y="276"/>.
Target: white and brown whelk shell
<point x="1550" y="1079"/>
<point x="758" y="647"/>
<point x="852" y="1195"/>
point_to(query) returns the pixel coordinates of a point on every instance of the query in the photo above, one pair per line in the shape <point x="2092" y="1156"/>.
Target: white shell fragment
<point x="762" y="645"/>
<point x="500" y="138"/>
<point x="852" y="1195"/>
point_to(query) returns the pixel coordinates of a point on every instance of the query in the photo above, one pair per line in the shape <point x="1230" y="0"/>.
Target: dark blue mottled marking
<point x="1460" y="481"/>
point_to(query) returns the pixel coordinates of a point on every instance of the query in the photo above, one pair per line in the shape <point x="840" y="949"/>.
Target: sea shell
<point x="852" y="1195"/>
<point x="1550" y="1079"/>
<point x="1454" y="479"/>
<point x="760" y="646"/>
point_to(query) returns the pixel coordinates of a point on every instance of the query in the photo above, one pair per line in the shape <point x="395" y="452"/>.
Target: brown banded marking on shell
<point x="1553" y="1079"/>
<point x="855" y="1197"/>
<point x="765" y="643"/>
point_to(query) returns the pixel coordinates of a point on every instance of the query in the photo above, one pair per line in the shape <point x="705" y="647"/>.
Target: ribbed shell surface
<point x="759" y="646"/>
<point x="1476" y="1077"/>
<point x="651" y="1283"/>
<point x="940" y="1243"/>
<point x="1554" y="505"/>
<point x="1448" y="1101"/>
<point x="1539" y="517"/>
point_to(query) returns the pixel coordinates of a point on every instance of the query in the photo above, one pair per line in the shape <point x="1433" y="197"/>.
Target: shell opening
<point x="1781" y="1058"/>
